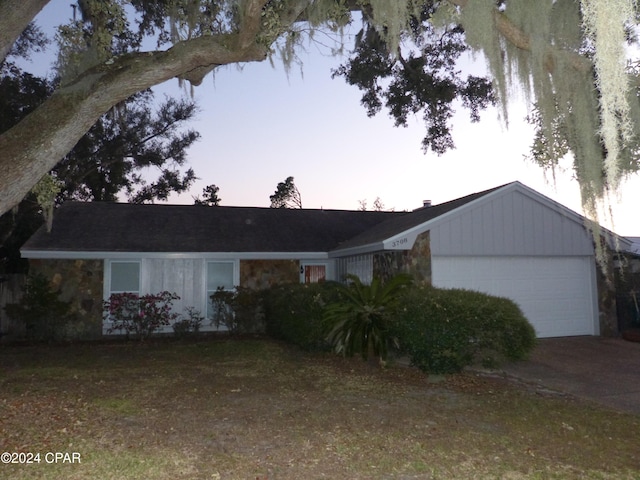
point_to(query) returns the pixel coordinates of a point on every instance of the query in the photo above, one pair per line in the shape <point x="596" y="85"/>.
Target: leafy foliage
<point x="40" y="309"/>
<point x="294" y="313"/>
<point x="359" y="321"/>
<point x="111" y="157"/>
<point x="139" y="315"/>
<point x="209" y="198"/>
<point x="238" y="310"/>
<point x="443" y="331"/>
<point x="286" y="195"/>
<point x="419" y="79"/>
<point x="109" y="160"/>
<point x="189" y="324"/>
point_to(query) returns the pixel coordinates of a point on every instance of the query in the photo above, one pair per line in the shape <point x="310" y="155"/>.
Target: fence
<point x="10" y="292"/>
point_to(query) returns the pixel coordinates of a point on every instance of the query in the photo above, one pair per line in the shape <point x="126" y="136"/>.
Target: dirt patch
<point x="259" y="409"/>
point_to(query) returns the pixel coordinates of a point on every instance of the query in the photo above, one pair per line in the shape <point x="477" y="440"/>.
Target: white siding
<point x="556" y="294"/>
<point x="510" y="224"/>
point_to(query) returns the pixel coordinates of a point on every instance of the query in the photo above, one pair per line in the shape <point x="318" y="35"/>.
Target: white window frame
<point x="107" y="292"/>
<point x="207" y="292"/>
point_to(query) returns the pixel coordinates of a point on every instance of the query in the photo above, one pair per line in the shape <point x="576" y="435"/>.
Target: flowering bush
<point x="139" y="315"/>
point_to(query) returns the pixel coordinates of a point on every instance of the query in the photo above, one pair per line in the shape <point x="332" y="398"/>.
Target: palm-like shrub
<point x="359" y="321"/>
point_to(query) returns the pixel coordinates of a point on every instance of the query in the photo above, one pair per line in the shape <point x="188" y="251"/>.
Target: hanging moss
<point x="569" y="58"/>
<point x="604" y="22"/>
<point x="46" y="191"/>
<point x="477" y="18"/>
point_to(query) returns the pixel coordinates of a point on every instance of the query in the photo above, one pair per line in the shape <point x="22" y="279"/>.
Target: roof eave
<point x="103" y="255"/>
<point x="359" y="250"/>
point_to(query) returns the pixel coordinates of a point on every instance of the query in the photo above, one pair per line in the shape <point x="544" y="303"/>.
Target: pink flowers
<point x="140" y="315"/>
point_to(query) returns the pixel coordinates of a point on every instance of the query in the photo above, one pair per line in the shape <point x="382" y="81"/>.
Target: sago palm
<point x="358" y="323"/>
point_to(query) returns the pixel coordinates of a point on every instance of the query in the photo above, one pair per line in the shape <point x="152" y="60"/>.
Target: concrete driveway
<point x="604" y="370"/>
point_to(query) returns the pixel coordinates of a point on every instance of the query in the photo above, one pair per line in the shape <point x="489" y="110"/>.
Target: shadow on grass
<point x="255" y="408"/>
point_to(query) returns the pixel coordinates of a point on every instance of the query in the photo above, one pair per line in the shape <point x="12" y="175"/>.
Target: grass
<point x="257" y="409"/>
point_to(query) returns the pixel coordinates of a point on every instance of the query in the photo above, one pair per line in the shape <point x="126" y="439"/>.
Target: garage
<point x="508" y="241"/>
<point x="556" y="294"/>
<point x="516" y="243"/>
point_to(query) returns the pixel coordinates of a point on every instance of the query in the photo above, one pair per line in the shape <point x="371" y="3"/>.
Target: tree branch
<point x="34" y="146"/>
<point x="16" y="15"/>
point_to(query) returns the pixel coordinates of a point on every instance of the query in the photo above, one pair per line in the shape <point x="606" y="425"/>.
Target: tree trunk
<point x="33" y="147"/>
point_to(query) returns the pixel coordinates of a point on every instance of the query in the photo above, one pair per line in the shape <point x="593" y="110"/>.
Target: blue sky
<point x="260" y="125"/>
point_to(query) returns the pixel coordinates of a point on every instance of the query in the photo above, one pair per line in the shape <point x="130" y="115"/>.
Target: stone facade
<point x="614" y="301"/>
<point x="416" y="262"/>
<point x="627" y="276"/>
<point x="261" y="274"/>
<point x="81" y="283"/>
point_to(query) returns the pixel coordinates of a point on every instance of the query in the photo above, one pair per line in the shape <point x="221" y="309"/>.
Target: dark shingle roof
<point x="401" y="223"/>
<point x="121" y="227"/>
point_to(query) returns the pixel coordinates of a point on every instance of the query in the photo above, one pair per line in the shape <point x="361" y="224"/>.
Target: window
<point x="125" y="277"/>
<point x="358" y="265"/>
<point x="219" y="274"/>
<point x="121" y="277"/>
<point x="310" y="273"/>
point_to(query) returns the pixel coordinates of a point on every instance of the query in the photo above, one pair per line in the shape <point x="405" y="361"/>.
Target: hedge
<point x="445" y="330"/>
<point x="294" y="313"/>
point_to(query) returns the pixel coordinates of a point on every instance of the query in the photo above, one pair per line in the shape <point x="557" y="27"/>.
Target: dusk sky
<point x="260" y="125"/>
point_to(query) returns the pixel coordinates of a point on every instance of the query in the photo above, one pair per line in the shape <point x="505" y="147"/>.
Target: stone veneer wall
<point x="416" y="262"/>
<point x="607" y="305"/>
<point x="261" y="274"/>
<point x="81" y="282"/>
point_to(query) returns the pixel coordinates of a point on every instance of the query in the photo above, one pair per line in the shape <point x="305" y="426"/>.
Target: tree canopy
<point x="569" y="56"/>
<point x="209" y="198"/>
<point x="286" y="195"/>
<point x="107" y="161"/>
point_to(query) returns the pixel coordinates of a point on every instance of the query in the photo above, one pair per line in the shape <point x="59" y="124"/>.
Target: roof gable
<point x="378" y="235"/>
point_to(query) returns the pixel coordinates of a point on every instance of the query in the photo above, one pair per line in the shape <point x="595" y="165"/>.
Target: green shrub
<point x="239" y="310"/>
<point x="443" y="331"/>
<point x="294" y="313"/>
<point x="358" y="322"/>
<point x="503" y="334"/>
<point x="189" y="324"/>
<point x="43" y="314"/>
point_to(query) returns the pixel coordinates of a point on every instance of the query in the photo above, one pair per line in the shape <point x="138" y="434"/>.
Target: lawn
<point x="257" y="409"/>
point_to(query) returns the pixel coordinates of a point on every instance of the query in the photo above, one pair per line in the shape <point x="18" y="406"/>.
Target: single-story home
<point x="510" y="241"/>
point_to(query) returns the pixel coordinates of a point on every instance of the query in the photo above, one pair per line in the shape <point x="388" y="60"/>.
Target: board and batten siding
<point x="527" y="249"/>
<point x="511" y="224"/>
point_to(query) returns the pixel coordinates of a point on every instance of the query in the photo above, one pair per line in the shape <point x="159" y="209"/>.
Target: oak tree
<point x="569" y="56"/>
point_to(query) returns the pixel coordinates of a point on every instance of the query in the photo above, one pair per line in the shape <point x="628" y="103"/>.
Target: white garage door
<point x="556" y="294"/>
